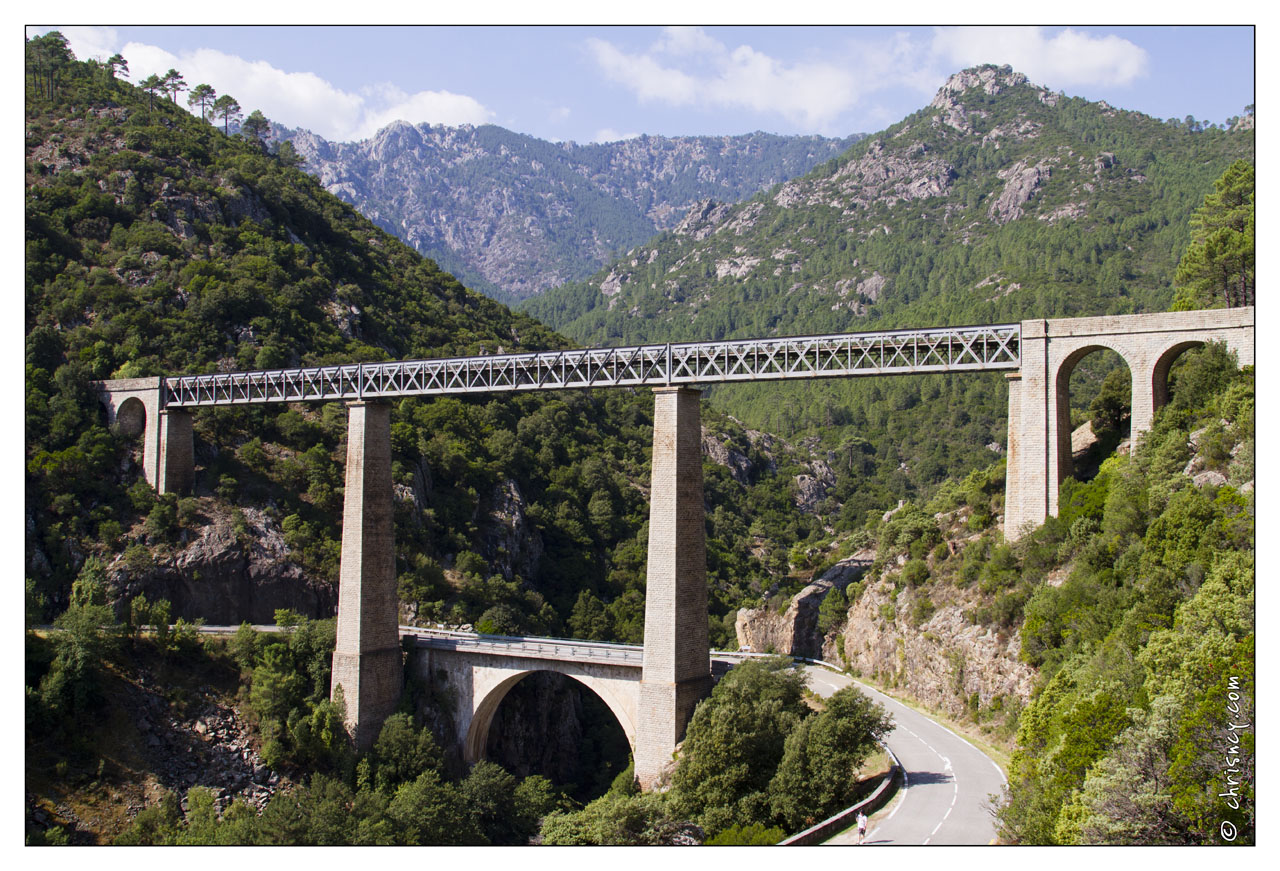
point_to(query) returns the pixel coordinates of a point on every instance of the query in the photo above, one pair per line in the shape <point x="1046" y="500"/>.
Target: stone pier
<point x="677" y="670"/>
<point x="176" y="470"/>
<point x="134" y="407"/>
<point x="367" y="664"/>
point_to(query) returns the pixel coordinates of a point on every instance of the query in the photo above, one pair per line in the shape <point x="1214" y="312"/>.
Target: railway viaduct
<point x="652" y="690"/>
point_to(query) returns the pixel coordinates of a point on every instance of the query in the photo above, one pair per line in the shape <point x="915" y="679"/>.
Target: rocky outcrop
<point x="1021" y="182"/>
<point x="794" y="631"/>
<point x="703" y="219"/>
<point x="225" y="576"/>
<point x="946" y="662"/>
<point x="879" y="175"/>
<point x="812" y="489"/>
<point x="720" y="449"/>
<point x="208" y="745"/>
<point x="509" y="543"/>
<point x="811" y="486"/>
<point x="1238" y="467"/>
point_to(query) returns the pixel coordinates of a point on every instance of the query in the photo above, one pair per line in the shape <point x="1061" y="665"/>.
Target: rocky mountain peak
<point x="991" y="78"/>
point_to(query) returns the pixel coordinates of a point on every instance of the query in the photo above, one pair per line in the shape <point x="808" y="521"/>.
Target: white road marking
<point x="947" y="766"/>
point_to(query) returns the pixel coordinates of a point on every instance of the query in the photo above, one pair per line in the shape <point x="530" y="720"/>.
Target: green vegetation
<point x="846" y="248"/>
<point x="1218" y="266"/>
<point x="158" y="244"/>
<point x="1150" y="638"/>
<point x="756" y="760"/>
<point x="404" y="791"/>
<point x="399" y="797"/>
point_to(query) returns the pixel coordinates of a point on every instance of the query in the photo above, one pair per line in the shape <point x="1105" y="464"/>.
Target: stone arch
<point x="1160" y="371"/>
<point x="485" y="709"/>
<point x="131" y="417"/>
<point x="1062" y="397"/>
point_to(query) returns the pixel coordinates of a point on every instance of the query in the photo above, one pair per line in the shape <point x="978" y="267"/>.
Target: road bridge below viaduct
<point x="478" y="670"/>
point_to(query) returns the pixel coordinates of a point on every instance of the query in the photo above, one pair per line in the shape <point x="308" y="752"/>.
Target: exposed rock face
<point x="991" y="79"/>
<point x="812" y="489"/>
<point x="226" y="578"/>
<point x="811" y="486"/>
<point x="1082" y="438"/>
<point x="1238" y="469"/>
<point x="721" y="451"/>
<point x="941" y="663"/>
<point x="880" y="175"/>
<point x="1021" y="182"/>
<point x="510" y="545"/>
<point x="702" y="219"/>
<point x="503" y="211"/>
<point x="795" y="630"/>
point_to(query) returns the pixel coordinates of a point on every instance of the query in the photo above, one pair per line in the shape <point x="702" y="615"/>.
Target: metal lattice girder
<point x="900" y="352"/>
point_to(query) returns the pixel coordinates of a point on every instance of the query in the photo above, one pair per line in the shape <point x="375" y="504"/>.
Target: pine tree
<point x="226" y="108"/>
<point x="1219" y="262"/>
<point x="202" y="95"/>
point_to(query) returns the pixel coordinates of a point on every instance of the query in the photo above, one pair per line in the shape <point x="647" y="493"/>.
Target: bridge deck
<point x="898" y="352"/>
<point x="559" y="649"/>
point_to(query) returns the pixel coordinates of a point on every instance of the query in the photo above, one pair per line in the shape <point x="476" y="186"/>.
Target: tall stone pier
<point x="677" y="669"/>
<point x="366" y="658"/>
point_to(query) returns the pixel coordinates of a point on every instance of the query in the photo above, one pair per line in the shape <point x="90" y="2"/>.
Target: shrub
<point x="915" y="573"/>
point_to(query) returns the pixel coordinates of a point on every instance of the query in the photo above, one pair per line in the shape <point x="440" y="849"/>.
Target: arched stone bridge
<point x="479" y="670"/>
<point x="674" y="671"/>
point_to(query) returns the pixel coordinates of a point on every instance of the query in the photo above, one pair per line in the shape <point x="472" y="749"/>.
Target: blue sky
<point x="600" y="83"/>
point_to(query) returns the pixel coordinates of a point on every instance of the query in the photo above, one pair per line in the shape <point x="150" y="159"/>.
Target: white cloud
<point x="608" y="134"/>
<point x="643" y="74"/>
<point x="1069" y="58"/>
<point x="687" y="67"/>
<point x="90" y="42"/>
<point x="434" y="107"/>
<point x="296" y="99"/>
<point x="681" y="41"/>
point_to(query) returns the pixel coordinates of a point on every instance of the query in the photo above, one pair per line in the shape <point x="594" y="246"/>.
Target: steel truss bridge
<point x="898" y="352"/>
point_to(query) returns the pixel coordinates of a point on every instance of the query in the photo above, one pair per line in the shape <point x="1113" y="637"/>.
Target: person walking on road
<point x="862" y="827"/>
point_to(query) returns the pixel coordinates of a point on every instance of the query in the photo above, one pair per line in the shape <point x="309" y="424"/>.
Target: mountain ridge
<point x="999" y="199"/>
<point x="512" y="215"/>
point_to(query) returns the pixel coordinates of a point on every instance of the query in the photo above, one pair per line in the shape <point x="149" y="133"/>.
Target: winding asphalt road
<point x="948" y="781"/>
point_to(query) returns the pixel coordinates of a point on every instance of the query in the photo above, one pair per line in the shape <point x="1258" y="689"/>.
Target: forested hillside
<point x="1140" y="618"/>
<point x="512" y="216"/>
<point x="157" y="244"/>
<point x="998" y="201"/>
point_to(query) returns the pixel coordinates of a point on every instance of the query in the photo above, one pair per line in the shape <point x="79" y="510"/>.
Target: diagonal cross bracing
<point x="898" y="352"/>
